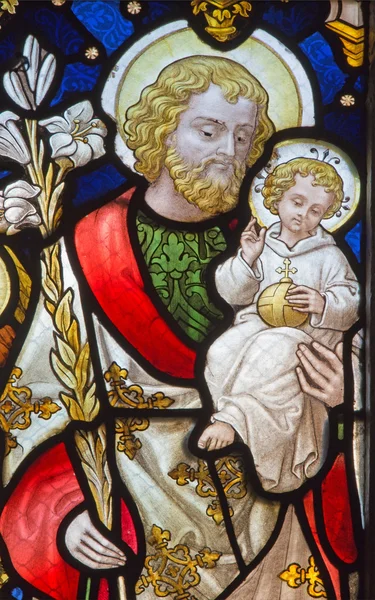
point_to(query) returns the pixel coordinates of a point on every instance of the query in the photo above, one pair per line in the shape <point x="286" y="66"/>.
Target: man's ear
<point x="170" y="140"/>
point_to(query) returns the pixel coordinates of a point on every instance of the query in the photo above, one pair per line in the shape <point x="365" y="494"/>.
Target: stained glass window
<point x="182" y="314"/>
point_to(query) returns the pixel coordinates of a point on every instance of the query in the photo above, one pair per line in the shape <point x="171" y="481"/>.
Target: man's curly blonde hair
<point x="155" y="116"/>
<point x="284" y="177"/>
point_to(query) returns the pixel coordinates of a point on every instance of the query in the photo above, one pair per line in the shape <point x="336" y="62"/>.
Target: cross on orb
<point x="286" y="270"/>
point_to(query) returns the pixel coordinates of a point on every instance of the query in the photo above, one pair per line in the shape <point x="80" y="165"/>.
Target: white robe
<point x="177" y="508"/>
<point x="251" y="368"/>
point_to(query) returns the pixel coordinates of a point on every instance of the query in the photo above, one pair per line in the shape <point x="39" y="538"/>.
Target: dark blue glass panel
<point x="294" y="19"/>
<point x="349" y="126"/>
<point x="96" y="184"/>
<point x="7" y="48"/>
<point x="331" y="78"/>
<point x="78" y="77"/>
<point x="155" y="11"/>
<point x="105" y="21"/>
<point x="4" y="174"/>
<point x="360" y="84"/>
<point x="353" y="238"/>
<point x="56" y="28"/>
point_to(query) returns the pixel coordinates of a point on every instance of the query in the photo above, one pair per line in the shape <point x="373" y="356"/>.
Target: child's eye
<point x="297" y="203"/>
<point x="242" y="138"/>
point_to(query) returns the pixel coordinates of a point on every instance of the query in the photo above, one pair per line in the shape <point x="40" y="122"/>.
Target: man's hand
<point x="217" y="436"/>
<point x="306" y="300"/>
<point x="252" y="244"/>
<point x="324" y="369"/>
<point x="89" y="547"/>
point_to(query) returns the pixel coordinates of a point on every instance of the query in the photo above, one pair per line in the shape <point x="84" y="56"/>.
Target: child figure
<point x="252" y="369"/>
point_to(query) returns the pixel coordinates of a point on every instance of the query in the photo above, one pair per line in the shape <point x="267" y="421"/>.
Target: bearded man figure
<point x="191" y="518"/>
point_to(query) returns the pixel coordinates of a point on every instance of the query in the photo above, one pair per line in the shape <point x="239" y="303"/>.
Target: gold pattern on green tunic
<point x="177" y="261"/>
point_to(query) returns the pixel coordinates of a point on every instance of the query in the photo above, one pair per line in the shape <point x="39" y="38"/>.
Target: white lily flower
<point x="12" y="144"/>
<point x="77" y="136"/>
<point x="17" y="210"/>
<point x="28" y="84"/>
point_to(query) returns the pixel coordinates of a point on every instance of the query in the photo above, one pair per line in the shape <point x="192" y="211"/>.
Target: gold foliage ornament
<point x="274" y="308"/>
<point x="220" y="16"/>
<point x="16" y="407"/>
<point x="232" y="477"/>
<point x="295" y="576"/>
<point x="127" y="442"/>
<point x="173" y="572"/>
<point x="130" y="396"/>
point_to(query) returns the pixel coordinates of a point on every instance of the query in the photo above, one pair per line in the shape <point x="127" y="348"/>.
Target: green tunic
<point x="177" y="261"/>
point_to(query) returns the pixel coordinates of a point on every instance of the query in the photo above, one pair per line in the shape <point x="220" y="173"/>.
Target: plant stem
<point x="121" y="588"/>
<point x="88" y="589"/>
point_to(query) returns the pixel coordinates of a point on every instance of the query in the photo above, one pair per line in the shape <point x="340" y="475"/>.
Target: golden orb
<point x="275" y="310"/>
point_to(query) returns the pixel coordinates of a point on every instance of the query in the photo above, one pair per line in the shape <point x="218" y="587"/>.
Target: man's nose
<point x="227" y="144"/>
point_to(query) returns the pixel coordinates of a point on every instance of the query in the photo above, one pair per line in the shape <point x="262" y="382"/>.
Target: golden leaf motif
<point x="24" y="287"/>
<point x="54" y="205"/>
<point x="70" y="358"/>
<point x="91" y="446"/>
<point x="73" y="408"/>
<point x="9" y="6"/>
<point x="173" y="571"/>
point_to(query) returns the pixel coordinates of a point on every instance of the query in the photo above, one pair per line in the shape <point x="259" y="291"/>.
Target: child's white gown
<point x="251" y="368"/>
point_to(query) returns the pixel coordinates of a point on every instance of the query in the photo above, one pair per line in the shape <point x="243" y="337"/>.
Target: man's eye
<point x="206" y="133"/>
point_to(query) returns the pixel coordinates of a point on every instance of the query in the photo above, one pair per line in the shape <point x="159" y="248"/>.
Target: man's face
<point x="208" y="151"/>
<point x="303" y="206"/>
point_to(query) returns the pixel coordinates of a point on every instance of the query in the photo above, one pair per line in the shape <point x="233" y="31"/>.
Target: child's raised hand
<point x="306" y="300"/>
<point x="252" y="243"/>
<point x="216" y="436"/>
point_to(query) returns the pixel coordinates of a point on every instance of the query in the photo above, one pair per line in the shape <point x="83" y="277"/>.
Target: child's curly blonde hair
<point x="284" y="177"/>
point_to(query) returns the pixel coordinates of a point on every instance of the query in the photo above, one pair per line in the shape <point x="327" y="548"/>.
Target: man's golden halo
<point x="291" y="101"/>
<point x="310" y="148"/>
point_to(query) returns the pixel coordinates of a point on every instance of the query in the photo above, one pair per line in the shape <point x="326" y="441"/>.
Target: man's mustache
<point x="228" y="162"/>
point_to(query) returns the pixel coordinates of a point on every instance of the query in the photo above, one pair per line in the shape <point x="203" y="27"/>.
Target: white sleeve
<point x="340" y="289"/>
<point x="238" y="283"/>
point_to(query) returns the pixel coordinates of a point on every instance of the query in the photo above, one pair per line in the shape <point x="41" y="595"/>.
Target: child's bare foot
<point x="216" y="436"/>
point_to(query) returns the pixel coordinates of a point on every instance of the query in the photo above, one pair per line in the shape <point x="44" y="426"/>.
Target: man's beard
<point x="209" y="194"/>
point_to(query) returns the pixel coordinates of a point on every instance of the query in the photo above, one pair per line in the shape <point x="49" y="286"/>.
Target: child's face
<point x="303" y="206"/>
